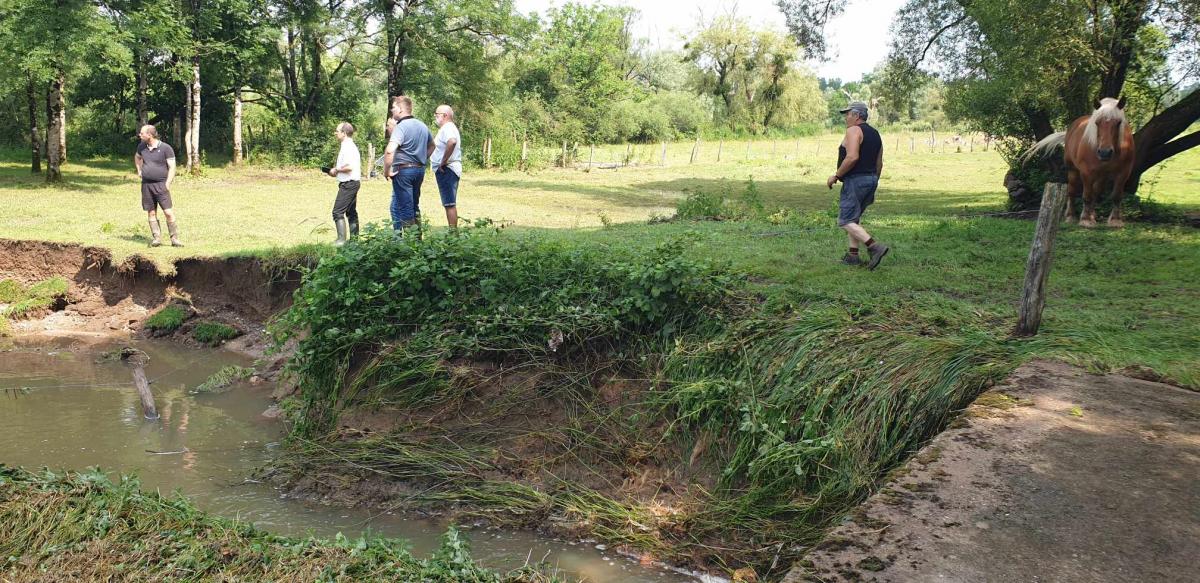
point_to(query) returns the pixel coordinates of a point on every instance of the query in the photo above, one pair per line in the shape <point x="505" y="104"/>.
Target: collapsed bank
<point x="645" y="399"/>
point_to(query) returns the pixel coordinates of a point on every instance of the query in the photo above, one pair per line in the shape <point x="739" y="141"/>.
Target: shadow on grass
<point x="628" y="195"/>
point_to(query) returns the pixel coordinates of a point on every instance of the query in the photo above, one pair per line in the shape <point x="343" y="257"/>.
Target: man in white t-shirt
<point x="447" y="161"/>
<point x="348" y="171"/>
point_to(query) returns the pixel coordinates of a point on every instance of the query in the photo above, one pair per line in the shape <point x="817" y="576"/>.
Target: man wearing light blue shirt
<point x="404" y="162"/>
<point x="447" y="161"/>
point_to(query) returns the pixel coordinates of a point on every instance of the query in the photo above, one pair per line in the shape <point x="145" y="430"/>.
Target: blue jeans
<point x="447" y="182"/>
<point x="406" y="196"/>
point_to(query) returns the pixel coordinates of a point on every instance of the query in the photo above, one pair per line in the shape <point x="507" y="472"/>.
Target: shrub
<point x="168" y="319"/>
<point x="213" y="333"/>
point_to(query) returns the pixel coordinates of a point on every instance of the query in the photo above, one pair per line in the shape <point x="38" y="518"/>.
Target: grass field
<point x="1117" y="297"/>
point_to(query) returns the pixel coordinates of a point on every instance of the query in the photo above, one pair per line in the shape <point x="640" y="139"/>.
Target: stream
<point x="61" y="407"/>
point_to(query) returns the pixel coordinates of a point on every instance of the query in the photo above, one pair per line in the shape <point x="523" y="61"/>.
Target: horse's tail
<point x="1044" y="147"/>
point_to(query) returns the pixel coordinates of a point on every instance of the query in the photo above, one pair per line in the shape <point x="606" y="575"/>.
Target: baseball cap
<point x="856" y="106"/>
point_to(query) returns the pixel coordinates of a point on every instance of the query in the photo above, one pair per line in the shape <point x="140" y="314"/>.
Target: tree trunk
<point x="61" y="108"/>
<point x="142" y="88"/>
<point x="54" y="115"/>
<point x="194" y="145"/>
<point x="1128" y="17"/>
<point x="237" y="126"/>
<point x="187" y="128"/>
<point x="1153" y="143"/>
<point x="176" y="128"/>
<point x="35" y="145"/>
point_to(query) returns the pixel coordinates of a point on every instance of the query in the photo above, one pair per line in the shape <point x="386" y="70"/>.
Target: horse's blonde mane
<point x="1108" y="110"/>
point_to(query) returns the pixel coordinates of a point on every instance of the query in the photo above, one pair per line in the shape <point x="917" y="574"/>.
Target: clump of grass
<point x="38" y="297"/>
<point x="720" y="205"/>
<point x="213" y="333"/>
<point x="97" y="529"/>
<point x="223" y="378"/>
<point x="166" y="320"/>
<point x="11" y="291"/>
<point x="5" y="327"/>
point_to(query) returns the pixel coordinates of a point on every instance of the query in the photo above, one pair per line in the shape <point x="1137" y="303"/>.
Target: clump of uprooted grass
<point x="25" y="302"/>
<point x="168" y="319"/>
<point x="223" y="379"/>
<point x="213" y="333"/>
<point x="83" y="526"/>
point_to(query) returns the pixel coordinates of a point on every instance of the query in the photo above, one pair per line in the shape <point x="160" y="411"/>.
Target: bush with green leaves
<point x="478" y="292"/>
<point x="213" y="333"/>
<point x="168" y="319"/>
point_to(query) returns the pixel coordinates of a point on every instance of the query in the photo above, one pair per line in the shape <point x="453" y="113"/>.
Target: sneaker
<point x="877" y="252"/>
<point x="851" y="259"/>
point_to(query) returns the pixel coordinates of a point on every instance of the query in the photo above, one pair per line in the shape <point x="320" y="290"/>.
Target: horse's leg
<point x="1118" y="192"/>
<point x="1074" y="189"/>
<point x="1088" y="218"/>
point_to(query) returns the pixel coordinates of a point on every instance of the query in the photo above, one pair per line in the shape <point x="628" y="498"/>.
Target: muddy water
<point x="61" y="408"/>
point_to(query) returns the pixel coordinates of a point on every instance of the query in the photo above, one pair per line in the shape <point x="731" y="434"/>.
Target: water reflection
<point x="60" y="407"/>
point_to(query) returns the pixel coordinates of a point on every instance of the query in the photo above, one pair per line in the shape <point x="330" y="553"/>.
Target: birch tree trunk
<point x="54" y="117"/>
<point x="187" y="129"/>
<point x="194" y="145"/>
<point x="61" y="108"/>
<point x="237" y="126"/>
<point x="35" y="136"/>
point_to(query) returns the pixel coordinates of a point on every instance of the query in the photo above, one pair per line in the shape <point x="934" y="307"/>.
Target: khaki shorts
<point x="155" y="193"/>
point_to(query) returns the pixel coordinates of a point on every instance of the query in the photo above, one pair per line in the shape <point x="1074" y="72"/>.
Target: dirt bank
<point x="115" y="298"/>
<point x="1056" y="475"/>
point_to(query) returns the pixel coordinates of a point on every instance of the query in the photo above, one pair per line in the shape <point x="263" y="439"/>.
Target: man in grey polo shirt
<point x="155" y="162"/>
<point x="404" y="162"/>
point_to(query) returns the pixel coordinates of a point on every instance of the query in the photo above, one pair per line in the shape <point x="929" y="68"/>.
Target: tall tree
<point x="48" y="43"/>
<point x="1021" y="68"/>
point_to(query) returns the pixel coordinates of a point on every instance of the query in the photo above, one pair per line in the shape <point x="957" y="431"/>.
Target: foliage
<point x="223" y="379"/>
<point x="87" y="524"/>
<point x="476" y="292"/>
<point x="167" y="319"/>
<point x="717" y="205"/>
<point x="5" y="327"/>
<point x="213" y="333"/>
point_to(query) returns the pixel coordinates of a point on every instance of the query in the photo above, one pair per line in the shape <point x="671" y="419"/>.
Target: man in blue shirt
<point x="404" y="162"/>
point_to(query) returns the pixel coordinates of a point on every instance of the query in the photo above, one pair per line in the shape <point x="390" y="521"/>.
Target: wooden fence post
<point x="912" y="145"/>
<point x="748" y="144"/>
<point x="524" y="153"/>
<point x="972" y="143"/>
<point x="663" y="161"/>
<point x="370" y="160"/>
<point x="720" y="145"/>
<point x="591" y="154"/>
<point x="149" y="411"/>
<point x="695" y="150"/>
<point x="774" y="144"/>
<point x="563" y="160"/>
<point x="1041" y="255"/>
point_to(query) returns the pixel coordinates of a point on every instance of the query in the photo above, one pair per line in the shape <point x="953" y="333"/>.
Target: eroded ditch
<point x="66" y="407"/>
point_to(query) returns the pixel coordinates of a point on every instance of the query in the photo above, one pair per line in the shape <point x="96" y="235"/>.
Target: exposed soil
<point x="113" y="299"/>
<point x="1056" y="475"/>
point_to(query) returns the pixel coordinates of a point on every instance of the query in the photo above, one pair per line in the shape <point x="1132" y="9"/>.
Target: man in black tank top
<point x="860" y="163"/>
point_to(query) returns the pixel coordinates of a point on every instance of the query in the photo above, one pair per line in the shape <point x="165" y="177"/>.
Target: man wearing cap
<point x="860" y="163"/>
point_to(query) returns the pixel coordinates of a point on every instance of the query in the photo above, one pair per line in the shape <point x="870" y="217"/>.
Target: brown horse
<point x="1099" y="149"/>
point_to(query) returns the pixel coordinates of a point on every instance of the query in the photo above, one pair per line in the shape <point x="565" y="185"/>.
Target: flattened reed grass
<point x="82" y="525"/>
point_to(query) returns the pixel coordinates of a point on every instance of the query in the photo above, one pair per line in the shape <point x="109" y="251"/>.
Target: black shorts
<point x="155" y="193"/>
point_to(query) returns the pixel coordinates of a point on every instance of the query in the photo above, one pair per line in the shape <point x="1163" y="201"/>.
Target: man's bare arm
<point x="879" y="164"/>
<point x="170" y="170"/>
<point x="137" y="162"/>
<point x="389" y="154"/>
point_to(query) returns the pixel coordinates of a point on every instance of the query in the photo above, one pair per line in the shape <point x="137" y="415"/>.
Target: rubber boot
<point x="156" y="232"/>
<point x="174" y="229"/>
<point x="340" y="225"/>
<point x="353" y="229"/>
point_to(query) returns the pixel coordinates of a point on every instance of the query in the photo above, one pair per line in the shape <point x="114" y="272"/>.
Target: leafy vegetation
<point x="168" y="319"/>
<point x="86" y="524"/>
<point x="213" y="333"/>
<point x="11" y="291"/>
